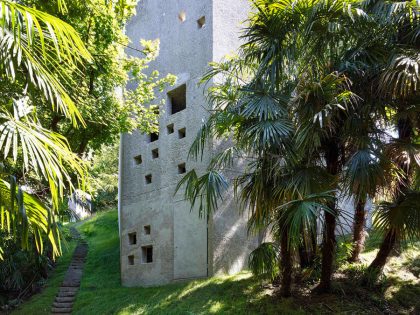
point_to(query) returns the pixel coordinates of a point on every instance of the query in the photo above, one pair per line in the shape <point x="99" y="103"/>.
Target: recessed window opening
<point x="132" y="238"/>
<point x="147" y="229"/>
<point x="153" y="137"/>
<point x="182" y="16"/>
<point x="147" y="254"/>
<point x="170" y="129"/>
<point x="178" y="99"/>
<point x="155" y="153"/>
<point x="182" y="168"/>
<point x="131" y="260"/>
<point x="148" y="178"/>
<point x="138" y="160"/>
<point x="201" y="22"/>
<point x="182" y="133"/>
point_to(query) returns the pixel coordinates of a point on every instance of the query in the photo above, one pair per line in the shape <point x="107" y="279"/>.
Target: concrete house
<point x="161" y="239"/>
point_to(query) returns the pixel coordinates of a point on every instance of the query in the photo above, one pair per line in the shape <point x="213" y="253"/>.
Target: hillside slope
<point x="102" y="293"/>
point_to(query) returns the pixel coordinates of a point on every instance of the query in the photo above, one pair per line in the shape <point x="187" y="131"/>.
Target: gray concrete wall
<point x="181" y="243"/>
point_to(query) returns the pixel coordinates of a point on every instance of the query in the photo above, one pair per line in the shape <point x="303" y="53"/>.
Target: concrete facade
<point x="162" y="241"/>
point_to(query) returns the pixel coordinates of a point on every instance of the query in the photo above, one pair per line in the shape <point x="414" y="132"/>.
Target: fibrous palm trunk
<point x="391" y="237"/>
<point x="286" y="266"/>
<point x="359" y="233"/>
<point x="329" y="241"/>
<point x="384" y="251"/>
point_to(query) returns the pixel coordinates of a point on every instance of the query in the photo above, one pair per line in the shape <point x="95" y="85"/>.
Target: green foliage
<point x="264" y="261"/>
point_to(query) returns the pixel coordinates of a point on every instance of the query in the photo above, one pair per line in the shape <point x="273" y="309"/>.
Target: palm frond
<point x="35" y="43"/>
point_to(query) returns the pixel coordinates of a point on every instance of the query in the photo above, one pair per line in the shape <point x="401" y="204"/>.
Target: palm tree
<point x="397" y="83"/>
<point x="32" y="43"/>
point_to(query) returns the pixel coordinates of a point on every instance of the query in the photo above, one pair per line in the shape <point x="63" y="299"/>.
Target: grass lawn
<point x="101" y="292"/>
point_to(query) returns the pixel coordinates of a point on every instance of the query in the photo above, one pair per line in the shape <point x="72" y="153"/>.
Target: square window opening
<point x="201" y="22"/>
<point x="147" y="254"/>
<point x="182" y="133"/>
<point x="132" y="238"/>
<point x="178" y="99"/>
<point x="153" y="137"/>
<point x="182" y="169"/>
<point x="155" y="153"/>
<point x="170" y="129"/>
<point x="148" y="179"/>
<point x="138" y="160"/>
<point x="131" y="260"/>
<point x="147" y="230"/>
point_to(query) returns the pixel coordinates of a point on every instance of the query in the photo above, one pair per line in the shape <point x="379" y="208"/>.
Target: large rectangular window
<point x="178" y="99"/>
<point x="147" y="254"/>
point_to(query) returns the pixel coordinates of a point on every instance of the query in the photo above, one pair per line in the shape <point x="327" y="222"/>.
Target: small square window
<point x="182" y="133"/>
<point x="170" y="129"/>
<point x="182" y="168"/>
<point x="153" y="137"/>
<point x="132" y="238"/>
<point x="201" y="22"/>
<point x="147" y="254"/>
<point x="155" y="153"/>
<point x="147" y="229"/>
<point x="138" y="160"/>
<point x="148" y="179"/>
<point x="131" y="260"/>
<point x="178" y="99"/>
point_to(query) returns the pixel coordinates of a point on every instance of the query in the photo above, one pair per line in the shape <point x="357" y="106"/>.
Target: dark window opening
<point x="178" y="99"/>
<point x="131" y="260"/>
<point x="170" y="129"/>
<point x="147" y="254"/>
<point x="201" y="22"/>
<point x="182" y="168"/>
<point x="153" y="137"/>
<point x="132" y="238"/>
<point x="155" y="153"/>
<point x="182" y="133"/>
<point x="138" y="160"/>
<point x="148" y="178"/>
<point x="147" y="229"/>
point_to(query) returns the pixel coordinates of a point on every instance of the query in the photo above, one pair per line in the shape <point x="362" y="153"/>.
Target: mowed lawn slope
<point x="102" y="293"/>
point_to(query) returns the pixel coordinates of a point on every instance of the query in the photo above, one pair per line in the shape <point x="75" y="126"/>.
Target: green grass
<point x="102" y="293"/>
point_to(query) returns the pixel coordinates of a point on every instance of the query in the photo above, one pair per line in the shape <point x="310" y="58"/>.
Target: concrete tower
<point x="161" y="240"/>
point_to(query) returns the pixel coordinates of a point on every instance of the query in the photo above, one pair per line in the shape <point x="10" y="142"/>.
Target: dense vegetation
<point x="61" y="64"/>
<point x="321" y="104"/>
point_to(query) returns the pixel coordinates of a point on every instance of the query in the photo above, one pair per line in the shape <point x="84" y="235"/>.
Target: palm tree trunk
<point x="329" y="241"/>
<point x="359" y="234"/>
<point x="286" y="266"/>
<point x="384" y="251"/>
<point x="404" y="133"/>
<point x="328" y="251"/>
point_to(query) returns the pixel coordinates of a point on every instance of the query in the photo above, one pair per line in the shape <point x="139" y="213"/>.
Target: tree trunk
<point x="386" y="247"/>
<point x="405" y="132"/>
<point x="286" y="266"/>
<point x="329" y="242"/>
<point x="359" y="234"/>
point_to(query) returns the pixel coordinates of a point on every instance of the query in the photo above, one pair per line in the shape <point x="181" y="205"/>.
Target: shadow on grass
<point x="226" y="295"/>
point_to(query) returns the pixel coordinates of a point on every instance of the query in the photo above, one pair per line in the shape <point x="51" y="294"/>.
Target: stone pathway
<point x="66" y="295"/>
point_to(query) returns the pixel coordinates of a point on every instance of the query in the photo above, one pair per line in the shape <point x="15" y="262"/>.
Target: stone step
<point x="62" y="305"/>
<point x="65" y="299"/>
<point x="61" y="310"/>
<point x="66" y="294"/>
<point x="68" y="289"/>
